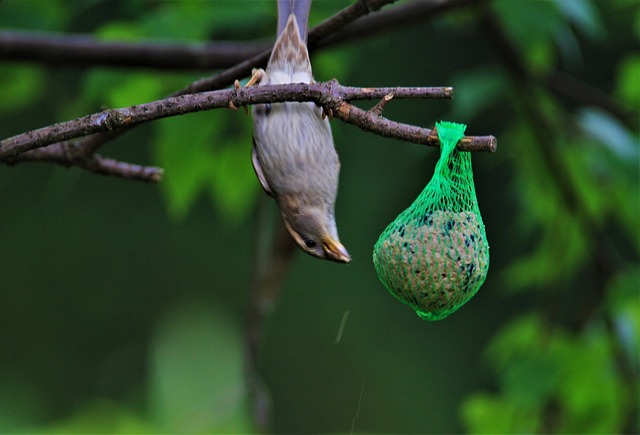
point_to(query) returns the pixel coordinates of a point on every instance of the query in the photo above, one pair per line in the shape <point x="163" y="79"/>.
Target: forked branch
<point x="335" y="98"/>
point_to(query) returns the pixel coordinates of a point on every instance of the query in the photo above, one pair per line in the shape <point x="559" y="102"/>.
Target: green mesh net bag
<point x="434" y="256"/>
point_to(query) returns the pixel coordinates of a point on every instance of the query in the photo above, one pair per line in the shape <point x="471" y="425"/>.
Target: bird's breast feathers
<point x="294" y="147"/>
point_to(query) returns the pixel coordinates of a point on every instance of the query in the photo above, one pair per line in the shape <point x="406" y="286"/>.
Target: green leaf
<point x="584" y="15"/>
<point x="20" y="403"/>
<point x="491" y="414"/>
<point x="514" y="340"/>
<point x="628" y="81"/>
<point x="192" y="20"/>
<point x="590" y="389"/>
<point x="196" y="381"/>
<point x="117" y="89"/>
<point x="589" y="179"/>
<point x="101" y="416"/>
<point x="547" y="222"/>
<point x="605" y="170"/>
<point x="532" y="26"/>
<point x="622" y="303"/>
<point x="609" y="132"/>
<point x="334" y="64"/>
<point x="539" y="363"/>
<point x="137" y="88"/>
<point x="476" y="90"/>
<point x="23" y="84"/>
<point x="557" y="256"/>
<point x="177" y="20"/>
<point x="41" y="15"/>
<point x="233" y="185"/>
<point x="118" y="31"/>
<point x="207" y="152"/>
<point x="183" y="148"/>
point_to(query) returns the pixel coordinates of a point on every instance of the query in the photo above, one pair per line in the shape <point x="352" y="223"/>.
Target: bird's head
<point x="314" y="231"/>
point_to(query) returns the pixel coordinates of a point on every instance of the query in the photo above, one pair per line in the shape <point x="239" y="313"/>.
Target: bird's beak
<point x="335" y="251"/>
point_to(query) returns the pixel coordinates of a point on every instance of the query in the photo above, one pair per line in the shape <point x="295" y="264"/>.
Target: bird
<point x="293" y="153"/>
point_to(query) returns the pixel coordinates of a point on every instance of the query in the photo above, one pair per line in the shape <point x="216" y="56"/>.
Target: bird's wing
<point x="259" y="172"/>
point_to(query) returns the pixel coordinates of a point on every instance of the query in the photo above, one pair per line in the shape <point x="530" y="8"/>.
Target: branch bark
<point x="400" y="16"/>
<point x="86" y="50"/>
<point x="82" y="50"/>
<point x="91" y="143"/>
<point x="331" y="95"/>
<point x="70" y="154"/>
<point x="318" y="33"/>
<point x="105" y="126"/>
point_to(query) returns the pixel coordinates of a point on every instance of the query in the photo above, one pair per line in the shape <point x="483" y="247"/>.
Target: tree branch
<point x="87" y="50"/>
<point x="273" y="253"/>
<point x="317" y="34"/>
<point x="331" y="95"/>
<point x="108" y="125"/>
<point x="398" y="16"/>
<point x="70" y="154"/>
<point x="92" y="142"/>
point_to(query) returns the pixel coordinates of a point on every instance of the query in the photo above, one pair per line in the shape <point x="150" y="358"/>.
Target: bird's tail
<point x="289" y="61"/>
<point x="300" y="9"/>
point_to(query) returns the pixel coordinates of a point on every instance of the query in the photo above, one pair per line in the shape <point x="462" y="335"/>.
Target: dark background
<point x="123" y="303"/>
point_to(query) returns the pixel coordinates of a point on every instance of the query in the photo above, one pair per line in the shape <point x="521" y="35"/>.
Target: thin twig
<point x="350" y="93"/>
<point x="66" y="154"/>
<point x="399" y="16"/>
<point x="327" y="94"/>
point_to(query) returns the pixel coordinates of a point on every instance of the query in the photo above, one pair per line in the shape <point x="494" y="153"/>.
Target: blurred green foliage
<point x="124" y="302"/>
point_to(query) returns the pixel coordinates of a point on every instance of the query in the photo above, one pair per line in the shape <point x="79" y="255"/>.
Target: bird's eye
<point x="267" y="109"/>
<point x="310" y="243"/>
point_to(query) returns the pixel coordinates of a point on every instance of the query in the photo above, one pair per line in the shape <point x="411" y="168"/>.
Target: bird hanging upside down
<point x="293" y="153"/>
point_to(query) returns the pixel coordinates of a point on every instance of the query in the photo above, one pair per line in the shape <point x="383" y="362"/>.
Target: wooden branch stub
<point x="379" y="107"/>
<point x="374" y="123"/>
<point x="468" y="143"/>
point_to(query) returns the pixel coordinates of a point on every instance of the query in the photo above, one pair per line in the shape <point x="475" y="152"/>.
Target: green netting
<point x="434" y="256"/>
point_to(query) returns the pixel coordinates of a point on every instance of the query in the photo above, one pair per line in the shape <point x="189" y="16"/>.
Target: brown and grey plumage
<point x="293" y="155"/>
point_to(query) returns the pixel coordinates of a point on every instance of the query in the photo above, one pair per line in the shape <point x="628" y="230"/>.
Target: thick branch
<point x="330" y="95"/>
<point x="86" y="50"/>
